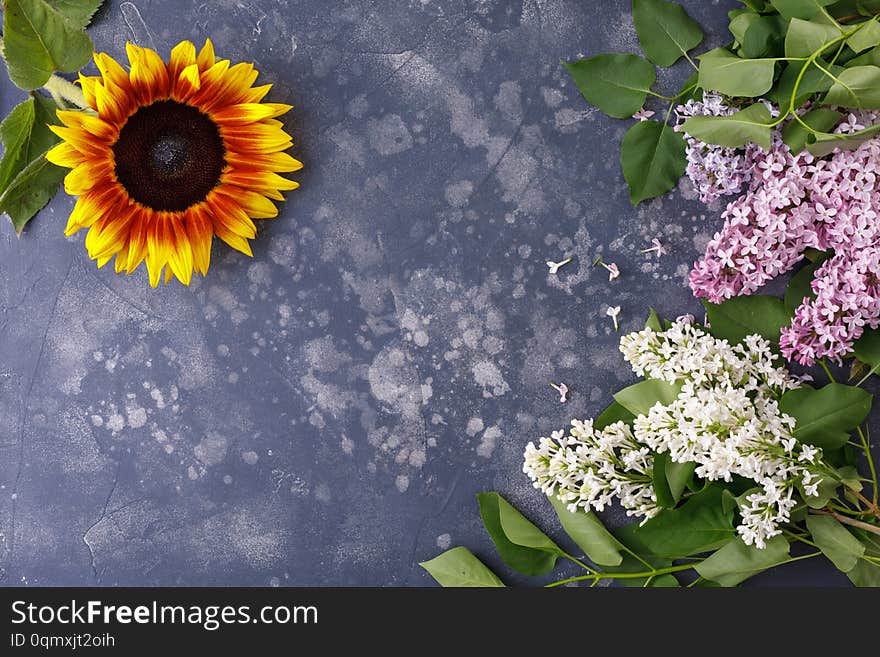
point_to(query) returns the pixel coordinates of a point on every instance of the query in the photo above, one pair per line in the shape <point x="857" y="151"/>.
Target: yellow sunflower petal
<point x="228" y="212"/>
<point x="87" y="84"/>
<point x="254" y="204"/>
<point x="182" y="55"/>
<point x="137" y="241"/>
<point x="200" y="231"/>
<point x="186" y="84"/>
<point x="243" y="113"/>
<point x="206" y="56"/>
<point x="111" y="71"/>
<point x="261" y="181"/>
<point x="180" y="258"/>
<point x="107" y="104"/>
<point x="149" y="74"/>
<point x="65" y="155"/>
<point x="85" y="176"/>
<point x="94" y="125"/>
<point x="278" y="162"/>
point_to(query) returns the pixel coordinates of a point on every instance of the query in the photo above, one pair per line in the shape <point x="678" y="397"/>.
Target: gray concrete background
<point x="324" y="413"/>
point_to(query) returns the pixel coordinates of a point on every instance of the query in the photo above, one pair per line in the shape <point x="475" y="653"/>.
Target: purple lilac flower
<point x="794" y="202"/>
<point x="714" y="170"/>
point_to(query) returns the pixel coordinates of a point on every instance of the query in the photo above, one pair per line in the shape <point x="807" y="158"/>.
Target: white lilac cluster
<point x="589" y="468"/>
<point x="726" y="419"/>
<point x="715" y="170"/>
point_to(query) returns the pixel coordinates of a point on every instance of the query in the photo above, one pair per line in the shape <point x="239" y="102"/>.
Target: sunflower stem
<point x="58" y="87"/>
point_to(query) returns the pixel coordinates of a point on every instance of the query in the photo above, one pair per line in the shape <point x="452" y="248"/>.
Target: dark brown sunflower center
<point x="169" y="156"/>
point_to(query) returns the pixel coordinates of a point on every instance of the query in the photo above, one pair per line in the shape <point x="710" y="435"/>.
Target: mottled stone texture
<point x="325" y="412"/>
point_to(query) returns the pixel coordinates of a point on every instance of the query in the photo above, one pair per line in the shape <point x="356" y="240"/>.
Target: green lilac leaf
<point x="749" y="125"/>
<point x="739" y="317"/>
<point x="639" y="398"/>
<point x="665" y="30"/>
<point x="654" y="322"/>
<point x="524" y="559"/>
<point x="740" y="23"/>
<point x="813" y="81"/>
<point x="865" y="574"/>
<point x="825" y="417"/>
<point x="842" y="548"/>
<point x="870" y="58"/>
<point x="867" y="350"/>
<point x="800" y="289"/>
<point x="736" y="562"/>
<point x="459" y="567"/>
<point x="635" y="559"/>
<point x="826" y="144"/>
<point x="765" y="37"/>
<point x="41" y="37"/>
<point x="653" y="159"/>
<point x="669" y="479"/>
<point x="617" y="84"/>
<point x="658" y="482"/>
<point x="796" y="136"/>
<point x="803" y="9"/>
<point x="590" y="535"/>
<point x="858" y="86"/>
<point x="806" y="37"/>
<point x="702" y="524"/>
<point x="614" y="413"/>
<point x="722" y="71"/>
<point x="867" y="37"/>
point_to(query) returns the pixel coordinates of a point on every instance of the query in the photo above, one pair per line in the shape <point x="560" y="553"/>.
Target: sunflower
<point x="172" y="155"/>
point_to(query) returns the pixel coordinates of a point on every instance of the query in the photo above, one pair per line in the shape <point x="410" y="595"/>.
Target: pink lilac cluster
<point x="715" y="170"/>
<point x="795" y="202"/>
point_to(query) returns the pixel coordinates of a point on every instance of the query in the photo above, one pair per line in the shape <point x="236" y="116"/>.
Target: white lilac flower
<point x="611" y="268"/>
<point x="554" y="267"/>
<point x="613" y="312"/>
<point x="588" y="469"/>
<point x="562" y="389"/>
<point x="725" y="419"/>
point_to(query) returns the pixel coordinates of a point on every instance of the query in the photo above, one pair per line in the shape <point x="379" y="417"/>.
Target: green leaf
<point x="527" y="550"/>
<point x="702" y="524"/>
<point x="858" y="86"/>
<point x="749" y="125"/>
<point x="803" y="9"/>
<point x="653" y="159"/>
<point x="15" y="132"/>
<point x="870" y="58"/>
<point x="813" y="81"/>
<point x="867" y="37"/>
<point x="739" y="317"/>
<point x="865" y="573"/>
<point x="765" y="37"/>
<point x="665" y="30"/>
<point x="41" y="37"/>
<point x="654" y="322"/>
<point x="867" y="349"/>
<point x="825" y="417"/>
<point x="459" y="567"/>
<point x="29" y="192"/>
<point x="826" y="144"/>
<point x="736" y="561"/>
<point x="800" y="289"/>
<point x="722" y="71"/>
<point x="670" y="479"/>
<point x="842" y="548"/>
<point x="806" y="37"/>
<point x="639" y="398"/>
<point x="741" y="22"/>
<point x="590" y="535"/>
<point x="614" y="413"/>
<point x="79" y="12"/>
<point x="796" y="136"/>
<point x="616" y="84"/>
<point x="639" y="558"/>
